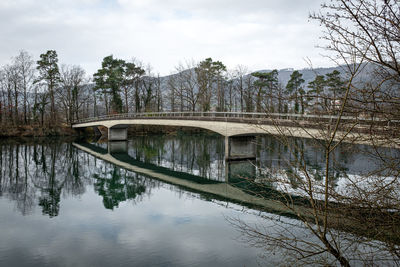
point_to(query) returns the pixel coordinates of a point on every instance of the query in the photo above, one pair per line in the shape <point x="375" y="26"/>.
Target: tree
<point x="12" y="83"/>
<point x="183" y="85"/>
<point x="239" y="75"/>
<point x="272" y="89"/>
<point x="336" y="87"/>
<point x="363" y="35"/>
<point x="249" y="93"/>
<point x="368" y="206"/>
<point x="259" y="84"/>
<point x="132" y="75"/>
<point x="364" y="29"/>
<point x="15" y="81"/>
<point x="172" y="86"/>
<point x="24" y="64"/>
<point x="268" y="80"/>
<point x="40" y="105"/>
<point x="149" y="85"/>
<point x="230" y="104"/>
<point x="109" y="79"/>
<point x="219" y="71"/>
<point x="49" y="74"/>
<point x="209" y="75"/>
<point x="294" y="88"/>
<point x="316" y="93"/>
<point x="367" y="31"/>
<point x="2" y="100"/>
<point x="281" y="97"/>
<point x="72" y="79"/>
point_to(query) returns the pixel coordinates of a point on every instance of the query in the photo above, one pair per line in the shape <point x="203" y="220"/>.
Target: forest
<point x="44" y="93"/>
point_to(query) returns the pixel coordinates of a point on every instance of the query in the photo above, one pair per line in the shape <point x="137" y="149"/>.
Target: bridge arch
<point x="239" y="137"/>
<point x="226" y="128"/>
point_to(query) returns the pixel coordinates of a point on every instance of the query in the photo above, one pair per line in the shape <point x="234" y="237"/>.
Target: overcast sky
<point x="260" y="34"/>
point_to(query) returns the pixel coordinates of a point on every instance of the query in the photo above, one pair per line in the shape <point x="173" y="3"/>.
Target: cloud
<point x="258" y="33"/>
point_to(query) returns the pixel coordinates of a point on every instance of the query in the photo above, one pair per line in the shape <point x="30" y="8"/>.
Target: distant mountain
<point x="283" y="75"/>
<point x="308" y="74"/>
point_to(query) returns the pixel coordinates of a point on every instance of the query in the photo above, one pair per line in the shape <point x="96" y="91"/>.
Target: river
<point x="156" y="200"/>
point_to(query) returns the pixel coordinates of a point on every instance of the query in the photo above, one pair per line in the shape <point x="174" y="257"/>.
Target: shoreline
<point x="35" y="131"/>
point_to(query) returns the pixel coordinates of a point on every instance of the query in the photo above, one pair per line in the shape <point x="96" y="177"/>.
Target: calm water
<point x="75" y="203"/>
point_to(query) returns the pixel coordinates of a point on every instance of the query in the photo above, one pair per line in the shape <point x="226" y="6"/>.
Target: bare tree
<point x="249" y="93"/>
<point x="25" y="65"/>
<point x="184" y="88"/>
<point x="71" y="92"/>
<point x="11" y="84"/>
<point x="358" y="223"/>
<point x="159" y="95"/>
<point x="239" y="75"/>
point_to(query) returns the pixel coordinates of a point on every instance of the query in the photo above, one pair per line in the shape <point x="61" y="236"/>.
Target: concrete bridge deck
<point x="224" y="123"/>
<point x="234" y="124"/>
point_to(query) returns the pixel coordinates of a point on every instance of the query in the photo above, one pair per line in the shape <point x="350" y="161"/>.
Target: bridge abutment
<point x="240" y="147"/>
<point x="97" y="131"/>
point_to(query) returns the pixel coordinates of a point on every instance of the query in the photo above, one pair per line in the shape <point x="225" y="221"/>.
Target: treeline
<point x="45" y="93"/>
<point x="208" y="85"/>
<point x="41" y="93"/>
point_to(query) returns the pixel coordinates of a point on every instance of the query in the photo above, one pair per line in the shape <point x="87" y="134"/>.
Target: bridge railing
<point x="214" y="114"/>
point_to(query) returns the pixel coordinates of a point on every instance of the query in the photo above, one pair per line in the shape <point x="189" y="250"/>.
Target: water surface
<point x="61" y="205"/>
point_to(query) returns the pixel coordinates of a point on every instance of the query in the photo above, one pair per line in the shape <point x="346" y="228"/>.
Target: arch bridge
<point x="238" y="128"/>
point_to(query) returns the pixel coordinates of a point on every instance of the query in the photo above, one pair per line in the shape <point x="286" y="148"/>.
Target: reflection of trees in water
<point x="275" y="158"/>
<point x="40" y="173"/>
<point x="359" y="218"/>
<point x="37" y="173"/>
<point x="203" y="155"/>
<point x="199" y="154"/>
<point x="116" y="185"/>
<point x="14" y="176"/>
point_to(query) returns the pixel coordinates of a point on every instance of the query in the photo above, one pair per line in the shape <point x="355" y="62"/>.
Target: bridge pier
<point x="240" y="147"/>
<point x="117" y="147"/>
<point x="238" y="171"/>
<point x="118" y="133"/>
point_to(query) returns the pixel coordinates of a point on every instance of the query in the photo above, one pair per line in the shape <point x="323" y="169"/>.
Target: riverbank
<point x="67" y="131"/>
<point x="162" y="129"/>
<point x="36" y="131"/>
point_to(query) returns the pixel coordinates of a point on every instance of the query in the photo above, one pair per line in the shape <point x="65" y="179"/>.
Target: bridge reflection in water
<point x="241" y="181"/>
<point x="234" y="170"/>
<point x="234" y="186"/>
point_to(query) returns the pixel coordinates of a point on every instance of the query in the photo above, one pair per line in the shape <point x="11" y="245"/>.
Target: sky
<point x="258" y="34"/>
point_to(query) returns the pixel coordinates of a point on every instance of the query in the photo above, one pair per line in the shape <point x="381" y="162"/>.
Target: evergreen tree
<point x="268" y="80"/>
<point x="293" y="88"/>
<point x="317" y="87"/>
<point x="109" y="79"/>
<point x="209" y="73"/>
<point x="335" y="86"/>
<point x="49" y="73"/>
